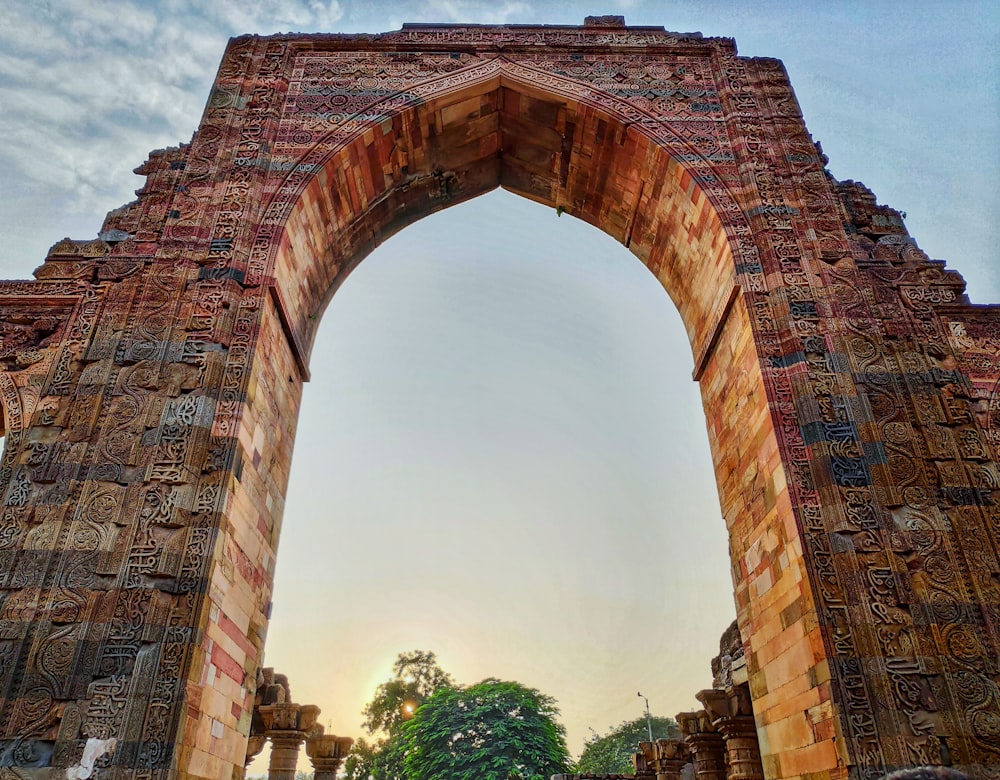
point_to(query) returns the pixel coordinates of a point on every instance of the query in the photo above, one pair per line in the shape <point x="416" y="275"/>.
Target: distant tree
<point x="612" y="753"/>
<point x="416" y="676"/>
<point x="381" y="760"/>
<point x="360" y="762"/>
<point x="493" y="730"/>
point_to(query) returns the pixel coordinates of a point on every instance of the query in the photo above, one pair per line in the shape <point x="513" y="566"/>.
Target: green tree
<point x="493" y="730"/>
<point x="612" y="753"/>
<point x="381" y="760"/>
<point x="360" y="763"/>
<point x="416" y="676"/>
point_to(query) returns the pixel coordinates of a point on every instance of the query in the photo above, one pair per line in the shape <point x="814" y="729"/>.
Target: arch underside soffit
<point x="552" y="139"/>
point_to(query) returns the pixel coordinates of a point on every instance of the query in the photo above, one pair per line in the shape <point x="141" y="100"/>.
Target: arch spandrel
<point x="849" y="388"/>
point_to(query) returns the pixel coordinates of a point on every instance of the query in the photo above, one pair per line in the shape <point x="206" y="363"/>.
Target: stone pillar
<point x="284" y="757"/>
<point x="731" y="713"/>
<point x="742" y="748"/>
<point x="287" y="726"/>
<point x="326" y="753"/>
<point x="707" y="746"/>
<point x="670" y="756"/>
<point x="643" y="761"/>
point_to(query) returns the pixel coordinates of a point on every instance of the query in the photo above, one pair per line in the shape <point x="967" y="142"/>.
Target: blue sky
<point x="503" y="456"/>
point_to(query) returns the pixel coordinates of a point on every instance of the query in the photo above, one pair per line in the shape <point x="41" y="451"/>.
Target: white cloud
<point x="473" y="11"/>
<point x="272" y="16"/>
<point x="107" y="24"/>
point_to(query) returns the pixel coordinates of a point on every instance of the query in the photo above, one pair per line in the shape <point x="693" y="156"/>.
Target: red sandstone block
<point x="789" y="665"/>
<point x="808" y="760"/>
<point x="790" y="733"/>
<point x="796" y="697"/>
<point x="825" y="729"/>
<point x="226" y="664"/>
<point x="235" y="633"/>
<point x="780" y="643"/>
<point x="816" y="640"/>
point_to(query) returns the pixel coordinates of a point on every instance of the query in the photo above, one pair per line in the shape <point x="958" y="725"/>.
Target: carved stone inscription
<point x="149" y="379"/>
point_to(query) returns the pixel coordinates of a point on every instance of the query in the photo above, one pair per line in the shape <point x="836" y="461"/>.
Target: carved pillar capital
<point x="687" y="722"/>
<point x="326" y="753"/>
<point x="643" y="761"/>
<point x="669" y="756"/>
<point x="731" y="713"/>
<point x="289" y="717"/>
<point x="742" y="748"/>
<point x="707" y="746"/>
<point x="287" y="726"/>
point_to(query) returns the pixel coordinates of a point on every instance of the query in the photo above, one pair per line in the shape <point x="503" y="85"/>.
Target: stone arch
<point x="652" y="190"/>
<point x="630" y="142"/>
<point x="844" y="383"/>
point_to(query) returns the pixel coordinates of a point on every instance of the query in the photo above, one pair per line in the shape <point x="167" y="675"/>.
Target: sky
<point x="502" y="455"/>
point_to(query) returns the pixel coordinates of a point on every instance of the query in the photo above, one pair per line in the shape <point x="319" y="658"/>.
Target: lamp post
<point x="649" y="718"/>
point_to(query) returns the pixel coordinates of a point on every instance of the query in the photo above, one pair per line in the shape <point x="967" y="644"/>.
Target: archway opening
<point x="502" y="458"/>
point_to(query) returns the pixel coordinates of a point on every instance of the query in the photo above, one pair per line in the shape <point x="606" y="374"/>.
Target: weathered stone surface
<point x="151" y="381"/>
<point x="326" y="754"/>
